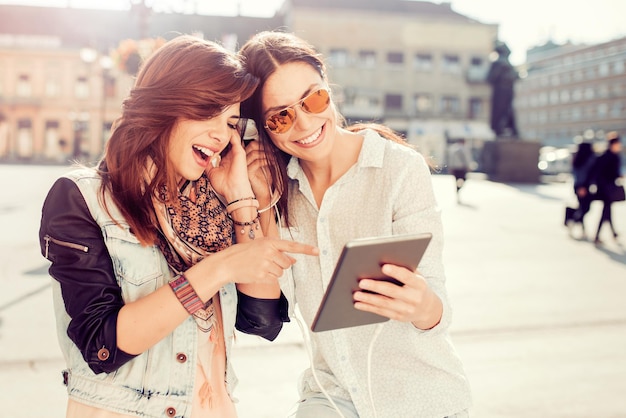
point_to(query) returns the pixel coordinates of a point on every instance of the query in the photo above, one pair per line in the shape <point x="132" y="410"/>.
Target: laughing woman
<point x="152" y="272"/>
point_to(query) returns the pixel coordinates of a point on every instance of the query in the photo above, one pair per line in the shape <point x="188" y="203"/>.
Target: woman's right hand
<point x="261" y="261"/>
<point x="258" y="173"/>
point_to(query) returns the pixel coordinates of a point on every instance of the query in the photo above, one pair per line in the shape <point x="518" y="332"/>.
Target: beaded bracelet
<point x="253" y="224"/>
<point x="186" y="294"/>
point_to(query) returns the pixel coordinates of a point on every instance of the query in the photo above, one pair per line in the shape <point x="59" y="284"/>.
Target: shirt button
<point x="170" y="412"/>
<point x="325" y="252"/>
<point x="103" y="354"/>
<point x="343" y="358"/>
<point x="181" y="357"/>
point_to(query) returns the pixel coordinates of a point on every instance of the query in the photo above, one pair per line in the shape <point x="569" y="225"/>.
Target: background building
<point x="573" y="90"/>
<point x="417" y="66"/>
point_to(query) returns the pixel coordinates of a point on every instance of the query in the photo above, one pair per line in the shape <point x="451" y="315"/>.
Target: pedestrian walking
<point x="606" y="171"/>
<point x="582" y="165"/>
<point x="460" y="162"/>
<point x="152" y="271"/>
<point x="339" y="183"/>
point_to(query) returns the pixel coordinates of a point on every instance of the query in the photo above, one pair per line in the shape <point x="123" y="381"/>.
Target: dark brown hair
<point x="186" y="78"/>
<point x="261" y="56"/>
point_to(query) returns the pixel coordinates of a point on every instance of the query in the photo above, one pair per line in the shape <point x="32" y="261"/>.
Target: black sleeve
<point x="72" y="240"/>
<point x="262" y="317"/>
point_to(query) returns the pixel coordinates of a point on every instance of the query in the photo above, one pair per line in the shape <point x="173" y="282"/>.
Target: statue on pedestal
<point x="502" y="77"/>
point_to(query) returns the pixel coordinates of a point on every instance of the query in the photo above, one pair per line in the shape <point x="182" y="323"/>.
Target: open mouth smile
<point x="311" y="138"/>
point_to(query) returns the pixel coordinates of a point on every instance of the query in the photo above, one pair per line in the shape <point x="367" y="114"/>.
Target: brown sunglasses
<point x="281" y="121"/>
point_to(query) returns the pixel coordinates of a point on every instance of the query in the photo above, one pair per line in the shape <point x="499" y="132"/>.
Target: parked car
<point x="553" y="161"/>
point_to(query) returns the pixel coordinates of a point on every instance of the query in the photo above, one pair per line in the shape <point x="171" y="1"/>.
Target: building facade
<point x="571" y="91"/>
<point x="56" y="103"/>
<point x="417" y="66"/>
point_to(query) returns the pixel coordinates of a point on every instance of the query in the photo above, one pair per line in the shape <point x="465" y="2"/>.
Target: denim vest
<point x="159" y="382"/>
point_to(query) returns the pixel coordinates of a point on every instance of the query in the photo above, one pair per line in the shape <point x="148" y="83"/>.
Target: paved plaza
<point x="539" y="315"/>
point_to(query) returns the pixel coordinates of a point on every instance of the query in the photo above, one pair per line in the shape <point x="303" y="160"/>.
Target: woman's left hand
<point x="413" y="302"/>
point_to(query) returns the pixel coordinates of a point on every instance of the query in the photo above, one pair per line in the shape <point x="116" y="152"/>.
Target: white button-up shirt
<point x="414" y="373"/>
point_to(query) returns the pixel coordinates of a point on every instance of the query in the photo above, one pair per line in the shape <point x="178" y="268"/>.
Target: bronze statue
<point x="502" y="77"/>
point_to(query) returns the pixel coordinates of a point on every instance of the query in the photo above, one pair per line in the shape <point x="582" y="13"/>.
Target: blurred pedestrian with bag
<point x="605" y="173"/>
<point x="582" y="165"/>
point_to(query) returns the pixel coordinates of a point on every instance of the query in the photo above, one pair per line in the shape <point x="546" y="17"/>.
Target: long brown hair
<point x="186" y="78"/>
<point x="261" y="56"/>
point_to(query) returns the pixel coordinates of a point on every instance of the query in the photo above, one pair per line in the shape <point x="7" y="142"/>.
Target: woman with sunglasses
<point x="336" y="184"/>
<point x="159" y="252"/>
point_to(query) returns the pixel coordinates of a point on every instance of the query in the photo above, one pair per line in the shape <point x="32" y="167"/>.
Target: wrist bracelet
<point x="253" y="224"/>
<point x="239" y="200"/>
<point x="242" y="203"/>
<point x="186" y="294"/>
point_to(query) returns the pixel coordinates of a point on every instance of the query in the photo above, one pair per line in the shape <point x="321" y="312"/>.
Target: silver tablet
<point x="363" y="258"/>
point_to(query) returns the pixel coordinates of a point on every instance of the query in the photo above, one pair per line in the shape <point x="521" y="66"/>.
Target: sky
<point x="522" y="23"/>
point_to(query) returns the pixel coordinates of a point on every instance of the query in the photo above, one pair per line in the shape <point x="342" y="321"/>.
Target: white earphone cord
<point x="309" y="346"/>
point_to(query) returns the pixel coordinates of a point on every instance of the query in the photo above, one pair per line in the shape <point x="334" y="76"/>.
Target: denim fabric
<point x="155" y="380"/>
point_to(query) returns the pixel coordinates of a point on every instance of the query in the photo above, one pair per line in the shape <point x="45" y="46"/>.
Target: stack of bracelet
<point x="245" y="202"/>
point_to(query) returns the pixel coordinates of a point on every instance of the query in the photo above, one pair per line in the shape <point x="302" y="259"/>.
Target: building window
<point x="554" y="97"/>
<point x="423" y="62"/>
<point x="365" y="102"/>
<point x="566" y="77"/>
<point x="423" y="103"/>
<point x="451" y="64"/>
<point x="52" y="87"/>
<point x="618" y="67"/>
<point x="449" y="105"/>
<point x="23" y="88"/>
<point x="51" y="138"/>
<point x="475" y="108"/>
<point x="24" y="138"/>
<point x="338" y="57"/>
<point x="616" y="110"/>
<point x="367" y="59"/>
<point x="603" y="69"/>
<point x="393" y="101"/>
<point x="476" y="62"/>
<point x="109" y="86"/>
<point x="554" y="80"/>
<point x="395" y="58"/>
<point x="81" y="89"/>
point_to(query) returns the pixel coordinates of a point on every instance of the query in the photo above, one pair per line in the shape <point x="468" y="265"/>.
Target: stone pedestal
<point x="512" y="160"/>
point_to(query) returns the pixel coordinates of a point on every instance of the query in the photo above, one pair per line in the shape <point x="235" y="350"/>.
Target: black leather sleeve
<point x="262" y="317"/>
<point x="72" y="240"/>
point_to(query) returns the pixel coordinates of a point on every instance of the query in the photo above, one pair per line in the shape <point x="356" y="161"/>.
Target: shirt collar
<point x="371" y="155"/>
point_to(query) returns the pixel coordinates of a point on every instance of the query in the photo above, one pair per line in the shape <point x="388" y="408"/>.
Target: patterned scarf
<point x="193" y="225"/>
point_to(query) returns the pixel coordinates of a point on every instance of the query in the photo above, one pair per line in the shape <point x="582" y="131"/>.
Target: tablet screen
<point x="363" y="258"/>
